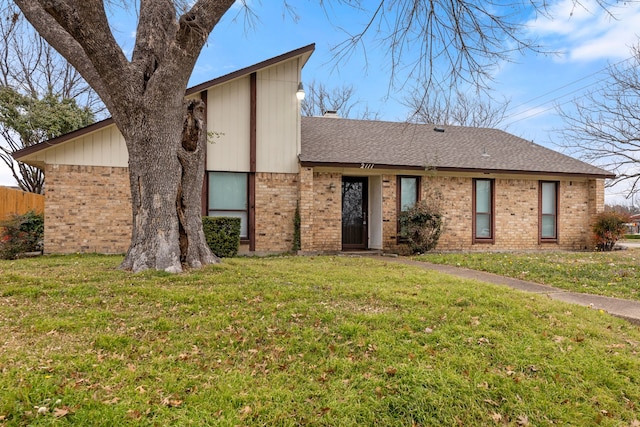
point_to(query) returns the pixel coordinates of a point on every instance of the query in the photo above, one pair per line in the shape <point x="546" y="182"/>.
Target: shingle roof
<point x="335" y="142"/>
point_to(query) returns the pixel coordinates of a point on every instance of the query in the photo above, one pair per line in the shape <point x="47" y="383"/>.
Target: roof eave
<point x="304" y="51"/>
<point x="20" y="154"/>
<point x="306" y="163"/>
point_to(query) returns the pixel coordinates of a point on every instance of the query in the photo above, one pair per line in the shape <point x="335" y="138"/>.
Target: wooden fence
<point x="14" y="201"/>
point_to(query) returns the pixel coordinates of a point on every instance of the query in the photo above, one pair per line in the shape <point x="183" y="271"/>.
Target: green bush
<point x="222" y="234"/>
<point x="608" y="228"/>
<point x="20" y="234"/>
<point x="296" y="231"/>
<point x="632" y="236"/>
<point x="422" y="226"/>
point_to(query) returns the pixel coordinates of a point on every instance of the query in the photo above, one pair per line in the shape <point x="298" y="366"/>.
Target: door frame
<point x="365" y="209"/>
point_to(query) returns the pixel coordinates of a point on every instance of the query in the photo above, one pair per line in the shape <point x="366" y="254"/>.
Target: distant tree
<point x="40" y="94"/>
<point x="25" y="121"/>
<point x="319" y="99"/>
<point x="632" y="208"/>
<point x="604" y="126"/>
<point x="457" y="109"/>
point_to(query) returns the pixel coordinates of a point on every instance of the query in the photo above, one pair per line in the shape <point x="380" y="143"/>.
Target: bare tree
<point x="29" y="65"/>
<point x="25" y="121"/>
<point x="145" y="94"/>
<point x="319" y="99"/>
<point x="604" y="126"/>
<point x="35" y="79"/>
<point x="441" y="42"/>
<point x="457" y="109"/>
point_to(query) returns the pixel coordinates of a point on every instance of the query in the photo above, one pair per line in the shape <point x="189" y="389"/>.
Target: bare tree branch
<point x="604" y="126"/>
<point x="441" y="41"/>
<point x="457" y="108"/>
<point x="31" y="70"/>
<point x="319" y="99"/>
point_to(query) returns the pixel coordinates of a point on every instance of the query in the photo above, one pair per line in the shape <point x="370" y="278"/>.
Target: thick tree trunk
<point x="193" y="246"/>
<point x="166" y="183"/>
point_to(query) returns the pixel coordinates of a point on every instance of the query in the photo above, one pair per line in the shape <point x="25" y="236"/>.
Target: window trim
<point x="542" y="239"/>
<point x="243" y="239"/>
<point x="399" y="237"/>
<point x="474" y="236"/>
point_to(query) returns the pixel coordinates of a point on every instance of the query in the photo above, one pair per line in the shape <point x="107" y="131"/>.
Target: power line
<point x="537" y="113"/>
<point x="571" y="83"/>
<point x="556" y="90"/>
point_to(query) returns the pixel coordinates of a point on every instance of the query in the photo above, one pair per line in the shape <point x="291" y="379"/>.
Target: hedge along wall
<point x="222" y="234"/>
<point x="18" y="202"/>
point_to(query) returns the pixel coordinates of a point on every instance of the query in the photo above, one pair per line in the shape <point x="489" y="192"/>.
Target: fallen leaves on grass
<point x="60" y="412"/>
<point x="245" y="412"/>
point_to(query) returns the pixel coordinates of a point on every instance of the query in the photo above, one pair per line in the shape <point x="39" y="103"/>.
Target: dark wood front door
<point x="354" y="212"/>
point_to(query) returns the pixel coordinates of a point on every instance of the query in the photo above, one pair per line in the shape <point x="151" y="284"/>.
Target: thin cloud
<point x="587" y="32"/>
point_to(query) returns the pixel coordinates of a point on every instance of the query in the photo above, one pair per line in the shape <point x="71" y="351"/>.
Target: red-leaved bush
<point x="608" y="228"/>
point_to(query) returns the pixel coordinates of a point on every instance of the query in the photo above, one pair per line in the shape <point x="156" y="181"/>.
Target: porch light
<point x="300" y="92"/>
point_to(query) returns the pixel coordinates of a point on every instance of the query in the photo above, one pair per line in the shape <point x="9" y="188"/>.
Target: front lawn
<point x="293" y="341"/>
<point x="612" y="274"/>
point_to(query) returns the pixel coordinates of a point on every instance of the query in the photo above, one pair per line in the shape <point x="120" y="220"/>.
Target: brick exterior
<point x="276" y="198"/>
<point x="516" y="213"/>
<point x="320" y="211"/>
<point x="389" y="217"/>
<point x="87" y="209"/>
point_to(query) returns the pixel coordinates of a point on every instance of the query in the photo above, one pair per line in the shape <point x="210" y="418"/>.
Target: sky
<point x="585" y="40"/>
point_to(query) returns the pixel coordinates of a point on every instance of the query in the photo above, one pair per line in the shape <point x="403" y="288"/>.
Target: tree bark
<point x="193" y="245"/>
<point x="165" y="139"/>
<point x="166" y="172"/>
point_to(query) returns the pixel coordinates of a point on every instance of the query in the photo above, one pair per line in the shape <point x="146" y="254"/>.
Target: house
<point x="347" y="179"/>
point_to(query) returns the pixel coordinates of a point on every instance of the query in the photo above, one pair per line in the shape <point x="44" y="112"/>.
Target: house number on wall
<point x="366" y="165"/>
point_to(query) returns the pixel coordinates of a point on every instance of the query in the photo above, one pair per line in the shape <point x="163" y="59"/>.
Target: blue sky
<point x="586" y="38"/>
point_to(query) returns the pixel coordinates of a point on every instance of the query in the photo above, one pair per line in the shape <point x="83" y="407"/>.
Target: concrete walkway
<point x="625" y="309"/>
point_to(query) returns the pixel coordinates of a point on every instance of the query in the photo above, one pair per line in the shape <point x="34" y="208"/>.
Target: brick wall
<point x="306" y="206"/>
<point x="327" y="212"/>
<point x="276" y="197"/>
<point x="320" y="211"/>
<point x="389" y="217"/>
<point x="516" y="214"/>
<point x="88" y="209"/>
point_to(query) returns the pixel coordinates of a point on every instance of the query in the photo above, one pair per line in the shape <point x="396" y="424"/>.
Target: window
<point x="228" y="197"/>
<point x="483" y="211"/>
<point x="408" y="195"/>
<point x="548" y="211"/>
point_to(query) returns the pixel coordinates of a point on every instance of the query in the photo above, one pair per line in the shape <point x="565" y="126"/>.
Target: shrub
<point x="20" y="234"/>
<point x="608" y="228"/>
<point x="222" y="234"/>
<point x="422" y="225"/>
<point x="296" y="231"/>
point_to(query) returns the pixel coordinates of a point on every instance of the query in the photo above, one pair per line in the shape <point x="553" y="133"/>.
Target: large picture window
<point x="548" y="211"/>
<point x="228" y="197"/>
<point x="483" y="217"/>
<point x="408" y="196"/>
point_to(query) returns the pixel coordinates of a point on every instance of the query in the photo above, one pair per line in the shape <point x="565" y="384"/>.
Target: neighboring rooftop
<point x="346" y="142"/>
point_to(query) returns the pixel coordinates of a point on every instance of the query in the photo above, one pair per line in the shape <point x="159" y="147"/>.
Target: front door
<point x="354" y="212"/>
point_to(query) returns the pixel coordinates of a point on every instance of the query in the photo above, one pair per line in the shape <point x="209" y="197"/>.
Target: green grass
<point x="612" y="274"/>
<point x="290" y="341"/>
